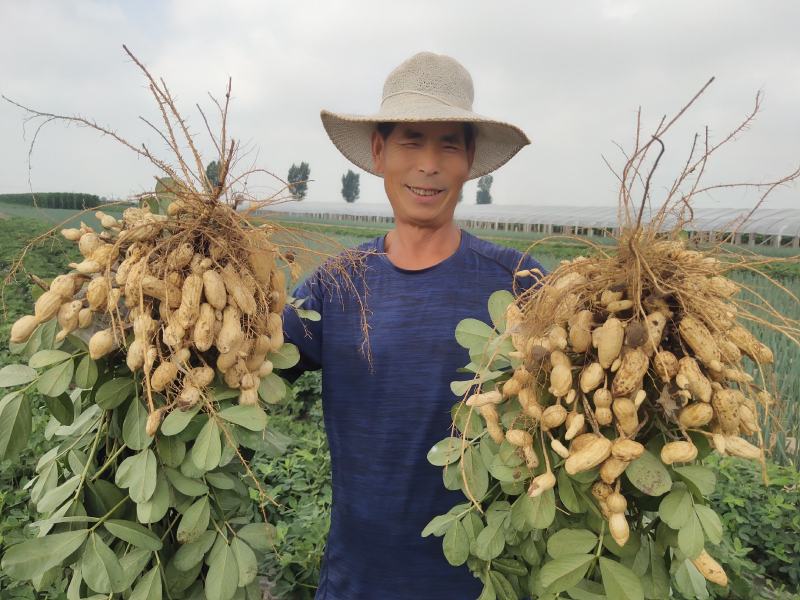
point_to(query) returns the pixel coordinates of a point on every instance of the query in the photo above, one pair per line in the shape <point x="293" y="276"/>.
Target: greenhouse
<point x="765" y="227"/>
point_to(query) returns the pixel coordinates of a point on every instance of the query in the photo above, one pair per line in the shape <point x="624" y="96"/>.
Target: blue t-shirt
<point x="382" y="419"/>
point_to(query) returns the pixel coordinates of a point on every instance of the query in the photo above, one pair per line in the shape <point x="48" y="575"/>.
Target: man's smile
<point x="424" y="192"/>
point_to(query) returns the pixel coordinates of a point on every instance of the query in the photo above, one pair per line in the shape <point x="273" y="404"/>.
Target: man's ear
<point x="378" y="147"/>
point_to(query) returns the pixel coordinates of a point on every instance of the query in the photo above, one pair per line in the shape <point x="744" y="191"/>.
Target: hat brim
<point x="496" y="142"/>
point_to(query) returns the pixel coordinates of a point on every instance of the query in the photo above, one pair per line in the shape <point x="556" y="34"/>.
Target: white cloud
<point x="571" y="74"/>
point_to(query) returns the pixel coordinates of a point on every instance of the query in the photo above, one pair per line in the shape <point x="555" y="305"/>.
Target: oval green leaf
<point x="649" y="475"/>
<point x="114" y="392"/>
<point x="148" y="586"/>
<point x="250" y="417"/>
<point x="100" y="567"/>
<point x="12" y="375"/>
<point x="445" y="452"/>
<point x="45" y="358"/>
<point x="33" y="557"/>
<point x="15" y="424"/>
<point x="619" y="581"/>
<point x="194" y="521"/>
<point x="207" y="448"/>
<point x="133" y="533"/>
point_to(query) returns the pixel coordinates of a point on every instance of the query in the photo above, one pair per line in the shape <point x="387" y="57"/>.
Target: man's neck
<point x="412" y="247"/>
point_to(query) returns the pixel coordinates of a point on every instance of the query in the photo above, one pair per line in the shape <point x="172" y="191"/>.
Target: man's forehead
<point x="444" y="130"/>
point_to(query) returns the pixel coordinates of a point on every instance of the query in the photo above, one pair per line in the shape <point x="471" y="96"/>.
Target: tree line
<point x="68" y="200"/>
<point x="298" y="178"/>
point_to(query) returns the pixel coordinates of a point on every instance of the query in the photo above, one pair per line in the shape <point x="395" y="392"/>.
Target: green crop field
<point x="760" y="520"/>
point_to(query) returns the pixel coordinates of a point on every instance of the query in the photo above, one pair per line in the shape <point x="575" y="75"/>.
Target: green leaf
<point x="286" y="357"/>
<point x="619" y="581"/>
<point x="272" y="389"/>
<point x="676" y="507"/>
<point x="56" y="497"/>
<point x="149" y="586"/>
<point x="220" y="480"/>
<point x="309" y="315"/>
<point x="690" y="582"/>
<point x="649" y="475"/>
<point x="194" y="521"/>
<point x="55" y="381"/>
<point x="171" y="450"/>
<point x="466" y="420"/>
<point x="138" y="474"/>
<point x="445" y="452"/>
<point x="439" y="525"/>
<point x="690" y="537"/>
<point x="701" y="478"/>
<point x="490" y="543"/>
<point x="114" y="392"/>
<point x="459" y="388"/>
<point x="571" y="541"/>
<point x="30" y="558"/>
<point x="45" y="358"/>
<point x="250" y="417"/>
<point x="543" y="510"/>
<point x="133" y="563"/>
<point x="259" y="536"/>
<point x="587" y="590"/>
<point x="86" y="373"/>
<point x="498" y="303"/>
<point x="15" y="424"/>
<point x="134" y="432"/>
<point x="711" y="523"/>
<point x="61" y="408"/>
<point x="207" y="448"/>
<point x="456" y="545"/>
<point x="566" y="491"/>
<point x="100" y="567"/>
<point x="656" y="580"/>
<point x="564" y="572"/>
<point x="185" y="485"/>
<point x="12" y="375"/>
<point x="189" y="555"/>
<point x="475" y="474"/>
<point x="133" y="533"/>
<point x="223" y="575"/>
<point x="156" y="507"/>
<point x="472" y="333"/>
<point x="245" y="561"/>
<point x="177" y="420"/>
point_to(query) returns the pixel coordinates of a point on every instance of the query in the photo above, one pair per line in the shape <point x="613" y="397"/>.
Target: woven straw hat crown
<point x="427" y="87"/>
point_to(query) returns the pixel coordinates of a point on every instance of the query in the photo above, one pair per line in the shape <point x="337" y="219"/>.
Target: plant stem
<point x="89" y="459"/>
<point x="106" y="516"/>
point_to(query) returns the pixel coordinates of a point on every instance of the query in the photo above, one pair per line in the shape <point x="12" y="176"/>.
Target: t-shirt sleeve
<point x="304" y="333"/>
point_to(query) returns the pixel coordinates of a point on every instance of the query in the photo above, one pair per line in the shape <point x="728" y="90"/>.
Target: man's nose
<point x="429" y="160"/>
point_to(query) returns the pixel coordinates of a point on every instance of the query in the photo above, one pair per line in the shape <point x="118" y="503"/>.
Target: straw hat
<point x="426" y="87"/>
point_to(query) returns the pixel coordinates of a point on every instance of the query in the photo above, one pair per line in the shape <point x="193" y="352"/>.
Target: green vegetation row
<point x="67" y="200"/>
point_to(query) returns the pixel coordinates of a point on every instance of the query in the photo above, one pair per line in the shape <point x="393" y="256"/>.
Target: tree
<point x="484" y="186"/>
<point x="350" y="188"/>
<point x="212" y="172"/>
<point x="298" y="180"/>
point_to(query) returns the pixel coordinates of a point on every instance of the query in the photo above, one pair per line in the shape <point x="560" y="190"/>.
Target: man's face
<point x="424" y="166"/>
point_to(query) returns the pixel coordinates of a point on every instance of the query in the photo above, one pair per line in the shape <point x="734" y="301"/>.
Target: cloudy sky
<point x="571" y="74"/>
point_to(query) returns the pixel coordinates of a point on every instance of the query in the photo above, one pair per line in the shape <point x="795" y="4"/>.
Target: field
<point x="763" y="559"/>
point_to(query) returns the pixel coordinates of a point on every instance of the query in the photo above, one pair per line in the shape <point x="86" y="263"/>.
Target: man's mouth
<point x="426" y="192"/>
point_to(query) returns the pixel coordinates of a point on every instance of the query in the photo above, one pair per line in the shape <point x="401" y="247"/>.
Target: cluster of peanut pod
<point x="603" y="378"/>
<point x="180" y="306"/>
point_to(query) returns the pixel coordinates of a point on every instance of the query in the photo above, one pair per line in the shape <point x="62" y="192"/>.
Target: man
<point x="385" y="408"/>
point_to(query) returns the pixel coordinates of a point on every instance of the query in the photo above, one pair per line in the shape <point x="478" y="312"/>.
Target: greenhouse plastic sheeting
<point x="764" y="221"/>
